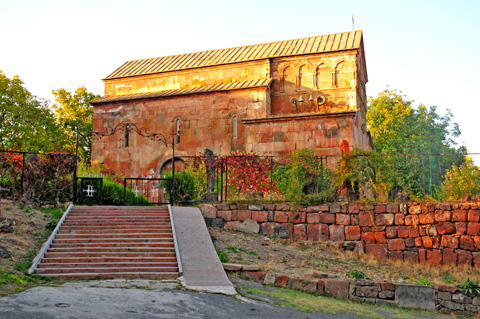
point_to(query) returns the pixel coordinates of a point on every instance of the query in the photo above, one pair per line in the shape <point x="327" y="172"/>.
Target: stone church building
<point x="269" y="99"/>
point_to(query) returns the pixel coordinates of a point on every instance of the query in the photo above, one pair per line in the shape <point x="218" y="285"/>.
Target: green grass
<point x="311" y="303"/>
<point x="13" y="283"/>
<point x="234" y="249"/>
<point x="222" y="256"/>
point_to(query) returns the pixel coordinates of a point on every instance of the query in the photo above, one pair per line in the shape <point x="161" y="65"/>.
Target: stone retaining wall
<point x="436" y="233"/>
<point x="441" y="297"/>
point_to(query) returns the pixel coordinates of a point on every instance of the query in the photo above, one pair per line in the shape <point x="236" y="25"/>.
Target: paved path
<point x="202" y="269"/>
<point x="140" y="299"/>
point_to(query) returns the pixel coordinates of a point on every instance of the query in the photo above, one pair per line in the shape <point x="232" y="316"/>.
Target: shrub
<point x="184" y="190"/>
<point x="471" y="287"/>
<point x="460" y="180"/>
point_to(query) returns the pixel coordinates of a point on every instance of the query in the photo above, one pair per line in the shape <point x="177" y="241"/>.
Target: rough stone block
<point x="409" y="242"/>
<point x="368" y="237"/>
<point x="377" y="250"/>
<point x="281" y="231"/>
<point x="343" y="219"/>
<point x="281" y="217"/>
<point x="411" y="220"/>
<point x="449" y="241"/>
<point x="260" y="216"/>
<point x="208" y="210"/>
<point x="445" y="228"/>
<point x="449" y="256"/>
<point x="337" y="232"/>
<point x="415" y="210"/>
<point x="313" y="232"/>
<point x="448" y="288"/>
<point x="232" y="267"/>
<point x="313" y="218"/>
<point x="282" y="281"/>
<point x="413" y="296"/>
<point x="391" y="232"/>
<point x="352" y="233"/>
<point x="460" y="228"/>
<point x="427" y="218"/>
<point x="395" y="255"/>
<point x="297" y="217"/>
<point x="215" y="222"/>
<point x="464" y="257"/>
<point x="366" y="291"/>
<point x="392" y="208"/>
<point x="461" y="298"/>
<point x="459" y="215"/>
<point x="434" y="256"/>
<point x="380" y="237"/>
<point x="396" y="244"/>
<point x="326" y="218"/>
<point x="386" y="294"/>
<point x="299" y="232"/>
<point x="255" y="207"/>
<point x="267" y="228"/>
<point x="324" y="233"/>
<point x="249" y="226"/>
<point x="384" y="219"/>
<point x="365" y="219"/>
<point x="466" y="242"/>
<point x="337" y="288"/>
<point x="442" y="216"/>
<point x="402" y="231"/>
<point x="444" y="295"/>
<point x="241" y="215"/>
<point x="269" y="279"/>
<point x="473" y="229"/>
<point x="411" y="256"/>
<point x="232" y="225"/>
<point x="336" y="208"/>
<point x="473" y="216"/>
<point x="451" y="305"/>
<point x="226" y="215"/>
<point x="399" y="219"/>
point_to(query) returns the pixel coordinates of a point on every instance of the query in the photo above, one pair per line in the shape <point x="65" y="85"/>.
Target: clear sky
<point x="428" y="49"/>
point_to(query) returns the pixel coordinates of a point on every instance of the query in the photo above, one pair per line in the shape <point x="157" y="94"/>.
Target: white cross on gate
<point x="90" y="190"/>
<point x="153" y="192"/>
<point x="136" y="191"/>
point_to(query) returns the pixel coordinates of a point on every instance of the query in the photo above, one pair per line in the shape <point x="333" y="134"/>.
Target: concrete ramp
<point x="202" y="269"/>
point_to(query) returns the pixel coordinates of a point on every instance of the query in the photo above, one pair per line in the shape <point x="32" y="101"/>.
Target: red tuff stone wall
<point x="436" y="233"/>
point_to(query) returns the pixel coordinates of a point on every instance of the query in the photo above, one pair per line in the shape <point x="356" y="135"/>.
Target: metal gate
<point x="89" y="191"/>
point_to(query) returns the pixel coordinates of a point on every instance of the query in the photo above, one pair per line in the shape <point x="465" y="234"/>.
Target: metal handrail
<point x="179" y="261"/>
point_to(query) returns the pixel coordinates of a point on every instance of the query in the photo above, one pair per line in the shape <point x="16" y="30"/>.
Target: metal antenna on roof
<point x="353" y="21"/>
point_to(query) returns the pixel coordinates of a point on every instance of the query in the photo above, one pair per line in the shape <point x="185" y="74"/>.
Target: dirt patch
<point x="312" y="260"/>
<point x="27" y="223"/>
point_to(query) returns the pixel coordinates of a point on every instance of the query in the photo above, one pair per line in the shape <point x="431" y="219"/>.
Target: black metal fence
<point x="357" y="176"/>
<point x="44" y="177"/>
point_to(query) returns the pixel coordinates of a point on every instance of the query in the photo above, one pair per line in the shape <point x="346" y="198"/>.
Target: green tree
<point x="26" y="122"/>
<point x="75" y="112"/>
<point x="399" y="128"/>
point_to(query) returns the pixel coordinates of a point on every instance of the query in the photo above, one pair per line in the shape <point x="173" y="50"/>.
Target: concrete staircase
<point x="112" y="242"/>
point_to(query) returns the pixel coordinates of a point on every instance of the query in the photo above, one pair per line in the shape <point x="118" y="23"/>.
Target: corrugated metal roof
<point x="194" y="90"/>
<point x="323" y="43"/>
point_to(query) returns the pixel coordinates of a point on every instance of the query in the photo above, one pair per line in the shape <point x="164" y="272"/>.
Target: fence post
<point x="271" y="178"/>
<point x="23" y="173"/>
<point x="423" y="173"/>
<point x="226" y="178"/>
<point x="440" y="177"/>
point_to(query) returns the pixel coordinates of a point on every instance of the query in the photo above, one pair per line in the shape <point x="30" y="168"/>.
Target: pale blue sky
<point x="428" y="49"/>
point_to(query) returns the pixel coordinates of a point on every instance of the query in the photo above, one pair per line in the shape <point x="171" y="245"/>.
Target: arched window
<point x="322" y="77"/>
<point x="235" y="127"/>
<point x="343" y="76"/>
<point x="178" y="131"/>
<point x="288" y="79"/>
<point x="301" y="77"/>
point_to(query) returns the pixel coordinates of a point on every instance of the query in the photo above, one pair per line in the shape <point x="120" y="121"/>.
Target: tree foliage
<point x="462" y="179"/>
<point x="74" y="112"/>
<point x="26" y="122"/>
<point x="399" y="128"/>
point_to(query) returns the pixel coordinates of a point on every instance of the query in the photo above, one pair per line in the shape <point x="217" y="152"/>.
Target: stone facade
<point x="269" y="99"/>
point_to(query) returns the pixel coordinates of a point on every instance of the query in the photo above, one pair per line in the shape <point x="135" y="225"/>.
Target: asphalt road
<point x="110" y="299"/>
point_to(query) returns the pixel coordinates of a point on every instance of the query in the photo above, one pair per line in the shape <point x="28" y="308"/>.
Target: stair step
<point x="113" y="235"/>
<point x="112" y="240"/>
<point x="113" y="249"/>
<point x="49" y="254"/>
<point x="107" y="244"/>
<point x="109" y="264"/>
<point x="119" y="275"/>
<point x="113" y="231"/>
<point x="143" y="259"/>
<point x="100" y="270"/>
